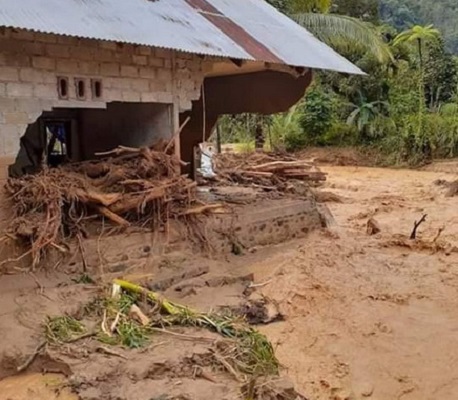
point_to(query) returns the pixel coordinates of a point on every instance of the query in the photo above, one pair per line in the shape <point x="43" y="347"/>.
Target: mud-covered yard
<point x="364" y="316"/>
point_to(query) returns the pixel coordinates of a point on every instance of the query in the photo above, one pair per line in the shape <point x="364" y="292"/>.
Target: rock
<point x="373" y="227"/>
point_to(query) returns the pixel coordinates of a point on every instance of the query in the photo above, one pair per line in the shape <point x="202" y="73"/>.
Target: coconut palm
<point x="336" y="30"/>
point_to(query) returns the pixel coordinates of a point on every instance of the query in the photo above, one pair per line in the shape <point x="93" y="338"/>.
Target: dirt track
<point x="365" y="316"/>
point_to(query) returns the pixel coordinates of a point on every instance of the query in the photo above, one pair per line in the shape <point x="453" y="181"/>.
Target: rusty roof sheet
<point x="240" y="29"/>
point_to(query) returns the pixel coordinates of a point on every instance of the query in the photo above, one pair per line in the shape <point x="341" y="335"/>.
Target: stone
<point x="373" y="227"/>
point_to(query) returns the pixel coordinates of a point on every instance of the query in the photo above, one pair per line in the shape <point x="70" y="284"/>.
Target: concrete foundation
<point x="263" y="222"/>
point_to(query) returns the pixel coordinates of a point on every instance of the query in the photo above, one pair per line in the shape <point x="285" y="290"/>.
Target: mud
<point x="362" y="316"/>
<point x="372" y="316"/>
<point x="36" y="387"/>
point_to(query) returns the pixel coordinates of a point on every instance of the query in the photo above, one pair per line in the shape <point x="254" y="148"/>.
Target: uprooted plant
<point x="243" y="351"/>
<point x="127" y="187"/>
<point x="63" y="329"/>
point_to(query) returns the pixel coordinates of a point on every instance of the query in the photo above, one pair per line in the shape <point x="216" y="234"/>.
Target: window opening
<point x="62" y="88"/>
<point x="80" y="89"/>
<point x="96" y="89"/>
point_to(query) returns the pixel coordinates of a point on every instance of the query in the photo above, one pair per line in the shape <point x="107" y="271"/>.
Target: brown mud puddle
<point x="35" y="387"/>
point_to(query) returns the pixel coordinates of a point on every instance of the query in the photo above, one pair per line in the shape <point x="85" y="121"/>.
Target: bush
<point x="286" y="131"/>
<point x="317" y="114"/>
<point x="438" y="138"/>
<point x="339" y="134"/>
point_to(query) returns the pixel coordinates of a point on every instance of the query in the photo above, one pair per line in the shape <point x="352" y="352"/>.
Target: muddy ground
<point x="364" y="316"/>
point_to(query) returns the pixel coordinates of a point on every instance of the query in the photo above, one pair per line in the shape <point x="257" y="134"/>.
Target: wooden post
<point x="175" y="112"/>
<point x="218" y="138"/>
<point x="175" y="128"/>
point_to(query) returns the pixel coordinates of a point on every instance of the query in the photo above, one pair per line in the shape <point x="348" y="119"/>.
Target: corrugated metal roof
<point x="241" y="29"/>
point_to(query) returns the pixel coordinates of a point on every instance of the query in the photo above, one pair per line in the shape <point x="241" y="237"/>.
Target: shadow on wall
<point x="64" y="135"/>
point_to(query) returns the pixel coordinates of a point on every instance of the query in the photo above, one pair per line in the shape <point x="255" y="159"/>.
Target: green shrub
<point x="438" y="139"/>
<point x="317" y="114"/>
<point x="339" y="134"/>
<point x="286" y="131"/>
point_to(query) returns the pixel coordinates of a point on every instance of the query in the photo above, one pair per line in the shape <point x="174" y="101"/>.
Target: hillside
<point x="442" y="13"/>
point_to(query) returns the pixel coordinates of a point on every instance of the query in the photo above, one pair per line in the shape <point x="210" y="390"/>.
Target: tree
<point x="367" y="10"/>
<point x="441" y="13"/>
<point x="334" y="29"/>
<point x="419" y="35"/>
<point x="440" y="77"/>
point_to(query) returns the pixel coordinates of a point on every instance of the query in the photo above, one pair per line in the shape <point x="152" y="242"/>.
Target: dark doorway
<point x="46" y="142"/>
<point x="57" y="135"/>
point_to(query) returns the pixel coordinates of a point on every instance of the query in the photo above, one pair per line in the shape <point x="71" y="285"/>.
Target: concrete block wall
<point x="30" y="64"/>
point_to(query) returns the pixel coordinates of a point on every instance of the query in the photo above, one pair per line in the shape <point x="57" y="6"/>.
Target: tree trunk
<point x="421" y="88"/>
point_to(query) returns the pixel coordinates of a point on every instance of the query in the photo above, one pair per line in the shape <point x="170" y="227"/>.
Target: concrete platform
<point x="263" y="221"/>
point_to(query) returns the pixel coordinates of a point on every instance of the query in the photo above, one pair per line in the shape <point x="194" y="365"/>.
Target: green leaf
<point x="343" y="31"/>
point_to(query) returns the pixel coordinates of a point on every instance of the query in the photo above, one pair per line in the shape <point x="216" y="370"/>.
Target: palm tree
<point x="334" y="29"/>
<point x="341" y="31"/>
<point x="419" y="35"/>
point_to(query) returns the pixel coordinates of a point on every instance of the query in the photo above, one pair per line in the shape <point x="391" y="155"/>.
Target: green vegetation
<point x="132" y="314"/>
<point x="63" y="329"/>
<point x="443" y="14"/>
<point x="245" y="349"/>
<point x="406" y="106"/>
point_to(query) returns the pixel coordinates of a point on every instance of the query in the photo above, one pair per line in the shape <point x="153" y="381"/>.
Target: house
<point x="79" y="77"/>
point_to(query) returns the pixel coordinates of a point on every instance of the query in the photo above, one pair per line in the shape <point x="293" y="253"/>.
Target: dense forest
<point x="406" y="107"/>
<point x="443" y="14"/>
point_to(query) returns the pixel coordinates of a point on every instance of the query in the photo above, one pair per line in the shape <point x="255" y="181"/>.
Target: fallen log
<point x="202" y="209"/>
<point x="312" y="176"/>
<point x="280" y="165"/>
<point x="255" y="173"/>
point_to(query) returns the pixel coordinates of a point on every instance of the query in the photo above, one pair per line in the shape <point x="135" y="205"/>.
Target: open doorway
<point x="57" y="135"/>
<point x="46" y="142"/>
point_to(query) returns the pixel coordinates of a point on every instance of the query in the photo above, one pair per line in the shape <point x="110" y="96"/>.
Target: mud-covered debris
<point x="260" y="311"/>
<point x="174" y="279"/>
<point x="452" y="187"/>
<point x="373" y="227"/>
<point x="328" y="197"/>
<point x="223" y="280"/>
<point x="267" y="170"/>
<point x="281" y="389"/>
<point x="127" y="187"/>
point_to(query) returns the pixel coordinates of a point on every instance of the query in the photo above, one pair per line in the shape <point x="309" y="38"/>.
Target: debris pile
<point x="133" y="314"/>
<point x="128" y="186"/>
<point x="266" y="169"/>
